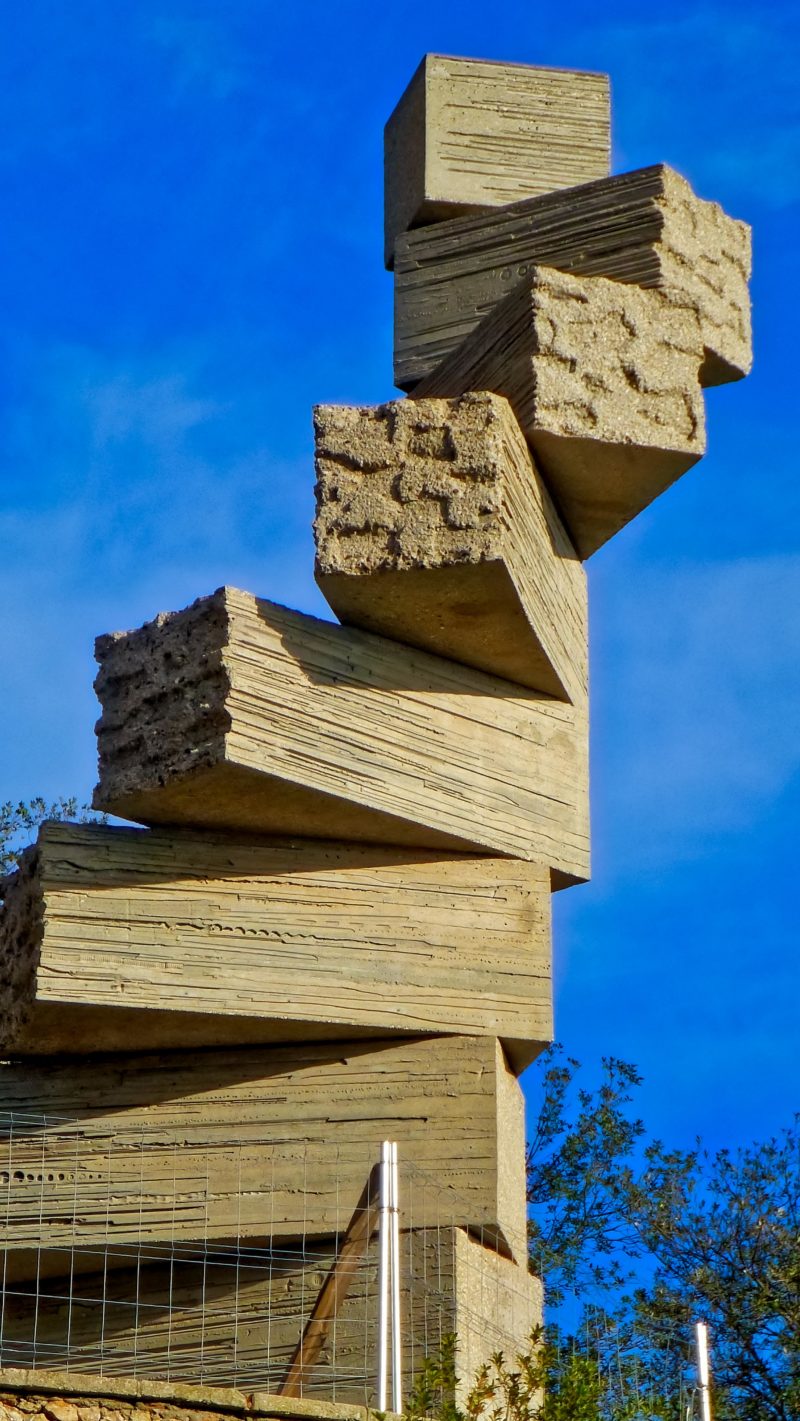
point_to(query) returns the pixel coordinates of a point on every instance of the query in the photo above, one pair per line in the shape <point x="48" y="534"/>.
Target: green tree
<point x="540" y="1385"/>
<point x="20" y="822"/>
<point x="580" y="1237"/>
<point x="667" y="1237"/>
<point x="555" y="1379"/>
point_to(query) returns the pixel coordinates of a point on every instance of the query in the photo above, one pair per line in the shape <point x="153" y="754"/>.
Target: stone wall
<point x="66" y="1396"/>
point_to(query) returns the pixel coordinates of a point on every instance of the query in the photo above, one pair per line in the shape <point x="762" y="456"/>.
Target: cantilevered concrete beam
<point x="113" y="939"/>
<point x="239" y="714"/>
<point x="646" y="227"/>
<point x="256" y="1144"/>
<point x="434" y="527"/>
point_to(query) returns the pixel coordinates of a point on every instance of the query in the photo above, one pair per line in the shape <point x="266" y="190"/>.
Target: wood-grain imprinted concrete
<point x="253" y="1144"/>
<point x="114" y="938"/>
<point x="646" y="227"/>
<point x="239" y="714"/>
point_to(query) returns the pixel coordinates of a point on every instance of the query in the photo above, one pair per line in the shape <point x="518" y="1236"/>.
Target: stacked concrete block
<point x="468" y="136"/>
<point x="645" y="228"/>
<point x="333" y="928"/>
<point x="177" y="939"/>
<point x="240" y="714"/>
<point x="434" y="527"/>
<point x="603" y="379"/>
<point x="138" y="1134"/>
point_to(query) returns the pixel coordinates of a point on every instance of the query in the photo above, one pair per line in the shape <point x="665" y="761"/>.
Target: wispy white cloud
<point x="160" y="412"/>
<point x="128" y="488"/>
<point x="143" y="462"/>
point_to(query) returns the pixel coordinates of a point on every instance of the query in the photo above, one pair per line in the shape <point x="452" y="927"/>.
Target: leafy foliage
<point x="552" y="1381"/>
<point x="544" y="1385"/>
<point x="433" y="1392"/>
<point x="695" y="1236"/>
<point x="19" y="822"/>
<point x="539" y="1388"/>
<point x="580" y="1237"/>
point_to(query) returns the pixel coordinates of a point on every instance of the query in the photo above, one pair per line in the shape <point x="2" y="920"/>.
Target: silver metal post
<point x="397" y="1379"/>
<point x="384" y="1230"/>
<point x="701" y="1344"/>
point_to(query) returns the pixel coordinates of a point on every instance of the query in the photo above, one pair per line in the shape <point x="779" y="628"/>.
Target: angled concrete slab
<point x="240" y="714"/>
<point x="433" y="527"/>
<point x="603" y="378"/>
<point x="646" y="228"/>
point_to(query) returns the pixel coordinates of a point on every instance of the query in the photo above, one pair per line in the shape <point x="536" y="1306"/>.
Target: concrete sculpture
<point x="334" y="927"/>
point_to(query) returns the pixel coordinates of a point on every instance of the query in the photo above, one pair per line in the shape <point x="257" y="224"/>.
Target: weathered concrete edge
<point x="73" y="1385"/>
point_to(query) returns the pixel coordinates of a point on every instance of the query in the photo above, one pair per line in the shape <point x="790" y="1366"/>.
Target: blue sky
<point x="191" y="258"/>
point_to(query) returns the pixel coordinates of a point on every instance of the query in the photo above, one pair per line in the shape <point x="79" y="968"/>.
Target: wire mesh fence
<point x="656" y="1373"/>
<point x="193" y="1259"/>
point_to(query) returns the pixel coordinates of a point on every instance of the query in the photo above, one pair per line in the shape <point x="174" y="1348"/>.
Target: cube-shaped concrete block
<point x="434" y="527"/>
<point x="646" y="228"/>
<point x="239" y="714"/>
<point x="160" y="939"/>
<point x="603" y="378"/>
<point x="470" y="134"/>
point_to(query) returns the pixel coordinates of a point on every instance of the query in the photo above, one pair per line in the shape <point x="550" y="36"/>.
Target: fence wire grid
<point x="199" y="1260"/>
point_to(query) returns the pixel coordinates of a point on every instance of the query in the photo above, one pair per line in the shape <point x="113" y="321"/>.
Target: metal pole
<point x="384" y="1186"/>
<point x="701" y="1343"/>
<point x="397" y="1380"/>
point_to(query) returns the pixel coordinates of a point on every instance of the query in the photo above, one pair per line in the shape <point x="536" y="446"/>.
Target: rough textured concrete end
<point x="162" y="690"/>
<point x="603" y="378"/>
<point x="433" y="527"/>
<point x="644" y="228"/>
<point x="708" y="256"/>
<point x="21" y="932"/>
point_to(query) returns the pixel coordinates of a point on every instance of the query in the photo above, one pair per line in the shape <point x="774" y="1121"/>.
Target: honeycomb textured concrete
<point x="603" y="378"/>
<point x="645" y="228"/>
<point x="434" y="527"/>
